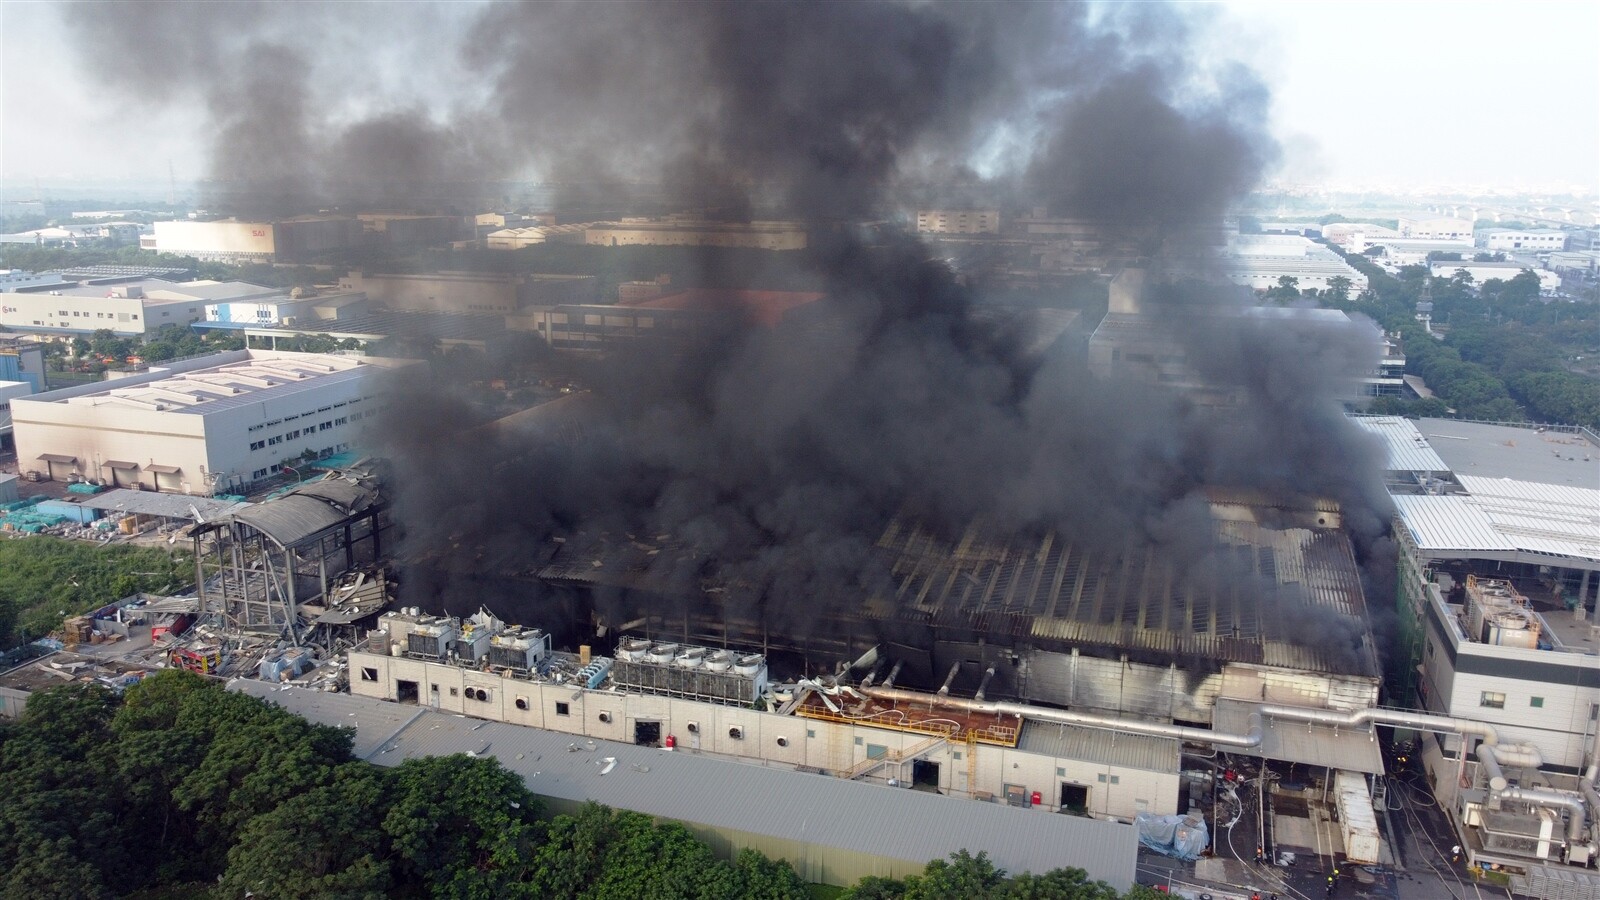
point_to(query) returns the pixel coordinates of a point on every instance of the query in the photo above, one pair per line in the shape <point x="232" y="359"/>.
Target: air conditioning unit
<point x="736" y="733"/>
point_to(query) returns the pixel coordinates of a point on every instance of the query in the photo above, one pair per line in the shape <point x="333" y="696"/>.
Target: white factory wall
<point x="214" y="449"/>
<point x="1524" y="240"/>
<point x="216" y="240"/>
<point x="125" y="316"/>
<point x="1114" y="791"/>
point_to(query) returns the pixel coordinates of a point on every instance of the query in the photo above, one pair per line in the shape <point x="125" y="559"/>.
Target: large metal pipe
<point x="1245" y="741"/>
<point x="1249" y="740"/>
<point x="944" y="689"/>
<point x="984" y="684"/>
<point x="889" y="682"/>
<point x="1491" y="757"/>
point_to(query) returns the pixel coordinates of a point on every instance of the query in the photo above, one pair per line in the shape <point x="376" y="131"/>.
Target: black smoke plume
<point x="762" y="467"/>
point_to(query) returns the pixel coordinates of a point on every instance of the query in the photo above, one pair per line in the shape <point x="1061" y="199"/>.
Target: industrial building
<point x="469" y="292"/>
<point x="1499" y="573"/>
<point x="517" y="238"/>
<point x="696" y="312"/>
<point x="1437" y="228"/>
<point x="286" y="240"/>
<point x="22" y="360"/>
<point x="1504" y="271"/>
<point x="127" y="306"/>
<point x="958" y="221"/>
<point x="1531" y="240"/>
<point x="833" y="831"/>
<point x="687" y="231"/>
<point x="213" y="424"/>
<point x="1259" y="260"/>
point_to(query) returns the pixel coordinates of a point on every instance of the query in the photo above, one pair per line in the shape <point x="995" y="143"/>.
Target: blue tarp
<point x="1181" y="837"/>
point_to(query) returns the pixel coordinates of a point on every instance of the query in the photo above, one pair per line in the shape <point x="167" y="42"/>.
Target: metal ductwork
<point x="1247" y="741"/>
<point x="1528" y="756"/>
<point x="984" y="684"/>
<point x="889" y="682"/>
<point x="944" y="689"/>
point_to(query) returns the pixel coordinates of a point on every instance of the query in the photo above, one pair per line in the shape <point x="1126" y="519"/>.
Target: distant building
<point x="1356" y="237"/>
<point x="400" y="230"/>
<point x="10" y="390"/>
<point x="683" y="231"/>
<point x="631" y="292"/>
<point x="128" y="307"/>
<point x="1483" y="271"/>
<point x="469" y="292"/>
<point x="958" y="221"/>
<point x="1585" y="262"/>
<point x="1408" y="252"/>
<point x="1531" y="240"/>
<point x="286" y="240"/>
<point x="530" y="235"/>
<point x="1259" y="260"/>
<point x="22" y="360"/>
<point x="680" y="314"/>
<point x="200" y="426"/>
<point x="1437" y="228"/>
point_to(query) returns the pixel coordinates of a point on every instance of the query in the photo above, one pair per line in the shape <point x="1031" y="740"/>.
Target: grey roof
<point x="1548" y="456"/>
<point x="375" y="721"/>
<point x="1506" y="519"/>
<point x="1351" y="749"/>
<point x="729" y="795"/>
<point x="308" y="509"/>
<point x="1100" y="746"/>
<point x="172" y="506"/>
<point x="1407" y="449"/>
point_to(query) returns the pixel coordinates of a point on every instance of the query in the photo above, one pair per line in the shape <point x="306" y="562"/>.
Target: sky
<point x="1403" y="95"/>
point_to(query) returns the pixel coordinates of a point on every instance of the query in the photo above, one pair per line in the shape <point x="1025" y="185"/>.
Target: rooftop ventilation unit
<point x="698" y="673"/>
<point x="431" y="638"/>
<point x="519" y="649"/>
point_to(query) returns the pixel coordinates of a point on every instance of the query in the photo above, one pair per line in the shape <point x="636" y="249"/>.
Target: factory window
<point x="1116" y="779"/>
<point x="134" y="317"/>
<point x="257" y="445"/>
<point x="1492" y="699"/>
<point x="454" y="692"/>
<point x="1536" y="702"/>
<point x="858" y="742"/>
<point x="957" y="754"/>
<point x="811" y="732"/>
<point x="62" y="313"/>
<point x="276" y="439"/>
<point x="293" y="434"/>
<point x="1061" y="772"/>
<point x="563" y="709"/>
<point x="1102" y="778"/>
<point x="369" y="674"/>
<point x="341" y="420"/>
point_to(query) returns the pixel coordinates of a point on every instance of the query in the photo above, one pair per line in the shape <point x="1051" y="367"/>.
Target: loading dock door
<point x="647" y="734"/>
<point x="1074" y="798"/>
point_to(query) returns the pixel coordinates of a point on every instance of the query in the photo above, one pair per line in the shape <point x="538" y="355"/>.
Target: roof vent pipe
<point x="889" y="682"/>
<point x="944" y="689"/>
<point x="984" y="684"/>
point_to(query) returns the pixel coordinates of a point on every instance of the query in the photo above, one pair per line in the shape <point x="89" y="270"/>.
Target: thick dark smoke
<point x="766" y="464"/>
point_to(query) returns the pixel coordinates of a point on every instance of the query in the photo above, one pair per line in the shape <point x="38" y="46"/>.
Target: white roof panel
<point x="1408" y="450"/>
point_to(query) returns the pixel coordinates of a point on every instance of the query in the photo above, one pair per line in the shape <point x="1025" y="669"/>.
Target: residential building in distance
<point x="1528" y="240"/>
<point x="958" y="221"/>
<point x="689" y="231"/>
<point x="212" y="424"/>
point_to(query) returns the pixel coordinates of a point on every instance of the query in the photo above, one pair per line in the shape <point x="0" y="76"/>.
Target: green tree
<point x="324" y="843"/>
<point x="1338" y="293"/>
<point x="462" y="826"/>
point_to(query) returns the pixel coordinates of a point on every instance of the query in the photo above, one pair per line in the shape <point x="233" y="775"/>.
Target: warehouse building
<point x="958" y="221"/>
<point x="285" y="240"/>
<point x="687" y="231"/>
<point x="469" y="292"/>
<point x="1499" y="573"/>
<point x="213" y="424"/>
<point x="833" y="831"/>
<point x="128" y="307"/>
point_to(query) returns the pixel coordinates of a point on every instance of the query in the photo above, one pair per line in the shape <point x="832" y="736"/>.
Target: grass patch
<point x="45" y="579"/>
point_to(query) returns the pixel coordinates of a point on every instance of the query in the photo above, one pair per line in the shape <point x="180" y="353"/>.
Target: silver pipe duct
<point x="1490" y="757"/>
<point x="889" y="682"/>
<point x="984" y="684"/>
<point x="1065" y="717"/>
<point x="944" y="689"/>
<point x="1249" y="740"/>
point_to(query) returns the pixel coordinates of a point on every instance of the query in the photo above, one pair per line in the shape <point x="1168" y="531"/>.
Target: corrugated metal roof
<point x="172" y="506"/>
<point x="1351" y="749"/>
<point x="308" y="509"/>
<point x="1100" y="746"/>
<point x="1500" y="515"/>
<point x="727" y="794"/>
<point x="1408" y="450"/>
